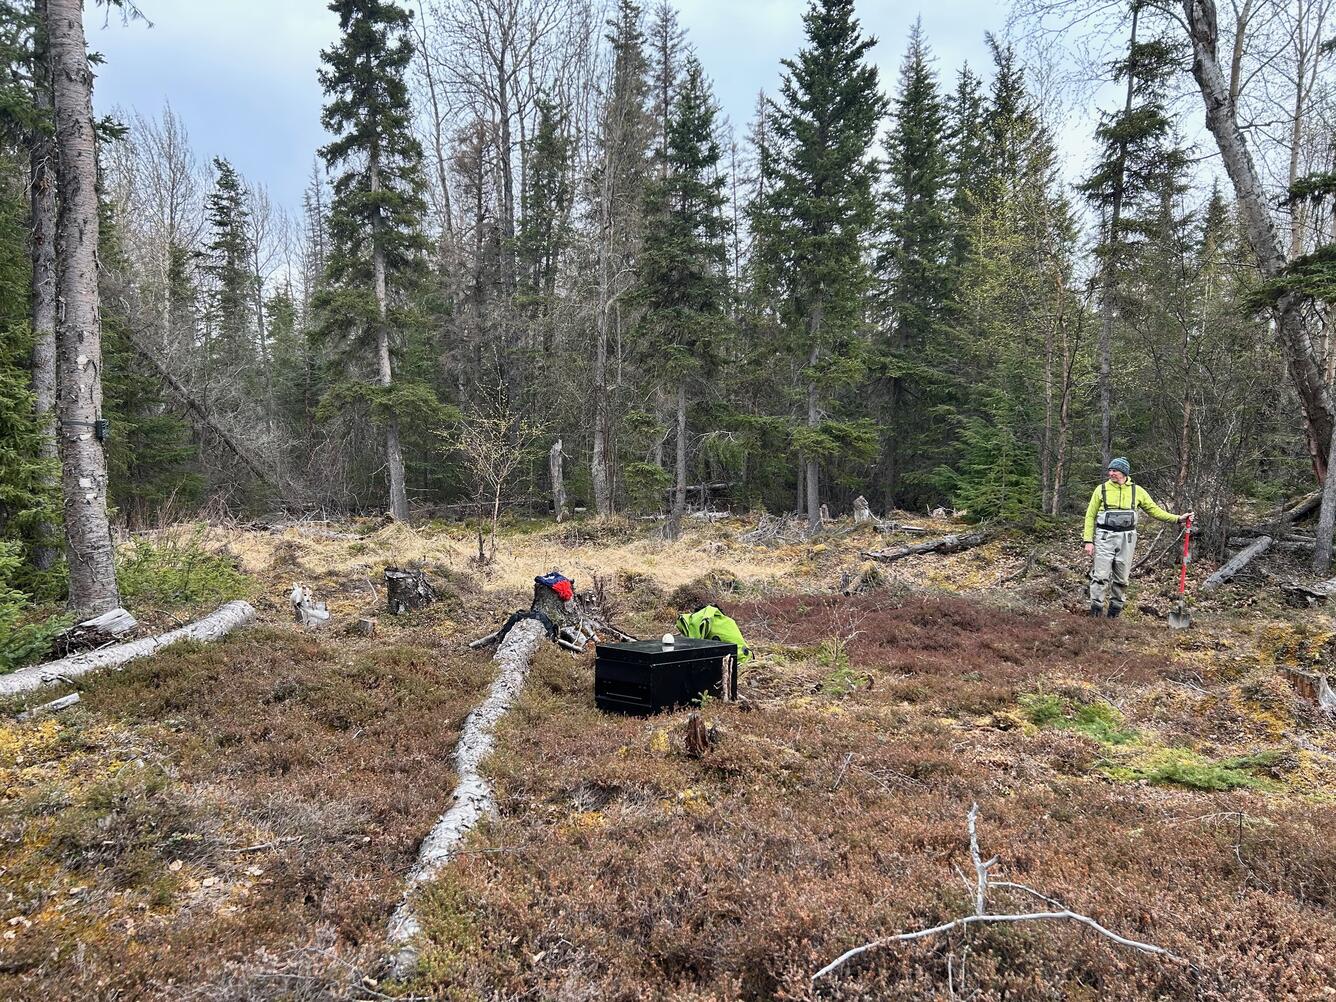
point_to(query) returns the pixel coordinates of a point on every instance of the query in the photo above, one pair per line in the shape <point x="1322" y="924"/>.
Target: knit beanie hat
<point x="1121" y="465"/>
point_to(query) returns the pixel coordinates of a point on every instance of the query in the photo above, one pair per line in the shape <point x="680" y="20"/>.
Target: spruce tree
<point x="682" y="270"/>
<point x="916" y="267"/>
<point x="1137" y="151"/>
<point x="824" y="124"/>
<point x="226" y="262"/>
<point x="374" y="223"/>
<point x="625" y="138"/>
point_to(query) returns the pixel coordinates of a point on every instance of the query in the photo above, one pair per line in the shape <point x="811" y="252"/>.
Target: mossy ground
<point x="234" y="821"/>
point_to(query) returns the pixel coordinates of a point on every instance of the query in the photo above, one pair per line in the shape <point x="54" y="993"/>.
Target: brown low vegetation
<point x="235" y="821"/>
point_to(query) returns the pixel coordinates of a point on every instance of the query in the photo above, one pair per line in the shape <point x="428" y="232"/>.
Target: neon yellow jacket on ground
<point x="1120" y="496"/>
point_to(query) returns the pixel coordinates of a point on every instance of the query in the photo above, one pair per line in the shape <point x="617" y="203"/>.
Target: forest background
<point x="927" y="290"/>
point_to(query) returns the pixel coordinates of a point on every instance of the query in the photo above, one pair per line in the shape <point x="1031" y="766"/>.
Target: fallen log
<point x="1249" y="533"/>
<point x="212" y="627"/>
<point x="1308" y="594"/>
<point x="910" y="530"/>
<point x="1236" y="564"/>
<point x="1289" y="545"/>
<point x="473" y="797"/>
<point x="953" y="543"/>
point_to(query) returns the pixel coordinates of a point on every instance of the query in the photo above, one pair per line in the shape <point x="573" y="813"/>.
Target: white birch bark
<point x="212" y="627"/>
<point x="88" y="544"/>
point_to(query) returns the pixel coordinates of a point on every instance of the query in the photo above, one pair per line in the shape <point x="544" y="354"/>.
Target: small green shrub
<point x="177" y="574"/>
<point x="21" y="642"/>
<point x="841" y="679"/>
<point x="1096" y="719"/>
<point x="1183" y="767"/>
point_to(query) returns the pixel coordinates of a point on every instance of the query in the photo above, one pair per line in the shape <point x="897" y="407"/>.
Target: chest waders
<point x="1115" y="547"/>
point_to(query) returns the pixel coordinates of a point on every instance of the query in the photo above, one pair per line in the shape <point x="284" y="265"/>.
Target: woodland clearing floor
<point x="235" y="821"/>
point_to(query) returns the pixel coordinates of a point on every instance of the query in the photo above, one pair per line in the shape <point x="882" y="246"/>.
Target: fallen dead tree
<point x="954" y="543"/>
<point x="548" y="616"/>
<point x="1237" y="563"/>
<point x="472" y="798"/>
<point x="212" y="627"/>
<point x="981" y="916"/>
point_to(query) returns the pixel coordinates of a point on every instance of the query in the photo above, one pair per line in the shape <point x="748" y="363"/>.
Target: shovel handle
<point x="1183" y="574"/>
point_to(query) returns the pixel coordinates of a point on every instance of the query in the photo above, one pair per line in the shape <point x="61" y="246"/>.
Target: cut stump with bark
<point x="407" y="589"/>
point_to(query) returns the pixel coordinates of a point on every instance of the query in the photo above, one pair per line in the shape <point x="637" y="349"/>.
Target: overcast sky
<point x="242" y="73"/>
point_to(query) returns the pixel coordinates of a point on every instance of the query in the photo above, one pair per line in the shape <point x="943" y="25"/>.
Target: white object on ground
<point x="667" y="640"/>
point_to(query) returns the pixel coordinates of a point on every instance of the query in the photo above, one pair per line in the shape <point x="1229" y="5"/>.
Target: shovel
<point x="1181" y="619"/>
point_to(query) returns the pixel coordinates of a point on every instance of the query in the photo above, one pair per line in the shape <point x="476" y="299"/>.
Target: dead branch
<point x="982" y="916"/>
<point x="953" y="543"/>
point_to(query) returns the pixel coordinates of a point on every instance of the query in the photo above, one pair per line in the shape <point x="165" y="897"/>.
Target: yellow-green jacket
<point x="1120" y="496"/>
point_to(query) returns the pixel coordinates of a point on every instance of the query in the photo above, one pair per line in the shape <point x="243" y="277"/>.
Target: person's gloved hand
<point x="1187" y="515"/>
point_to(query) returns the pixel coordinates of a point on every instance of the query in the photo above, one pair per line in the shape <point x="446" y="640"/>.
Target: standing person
<point x="1111" y="534"/>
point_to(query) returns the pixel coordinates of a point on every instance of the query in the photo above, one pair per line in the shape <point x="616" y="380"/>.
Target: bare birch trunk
<point x="88" y="544"/>
<point x="394" y="457"/>
<point x="43" y="202"/>
<point x="680" y="491"/>
<point x="554" y="457"/>
<point x="813" y="471"/>
<point x="1259" y="227"/>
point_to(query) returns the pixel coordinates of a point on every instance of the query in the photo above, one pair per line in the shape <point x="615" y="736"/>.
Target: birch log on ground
<point x="472" y="798"/>
<point x="953" y="543"/>
<point x="212" y="627"/>
<point x="1237" y="563"/>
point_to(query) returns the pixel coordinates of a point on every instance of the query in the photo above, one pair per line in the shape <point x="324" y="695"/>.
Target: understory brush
<point x="177" y="571"/>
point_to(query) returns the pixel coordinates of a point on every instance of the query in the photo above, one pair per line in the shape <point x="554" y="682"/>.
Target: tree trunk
<point x="43" y="201"/>
<point x="802" y="487"/>
<point x="599" y="472"/>
<point x="1326" y="519"/>
<point x="88" y="545"/>
<point x="394" y="457"/>
<point x="813" y="420"/>
<point x="1259" y="228"/>
<point x="680" y="494"/>
<point x="554" y="457"/>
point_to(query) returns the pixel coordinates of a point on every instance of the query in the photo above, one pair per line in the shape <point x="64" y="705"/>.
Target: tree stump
<point x="407" y="590"/>
<point x="93" y="633"/>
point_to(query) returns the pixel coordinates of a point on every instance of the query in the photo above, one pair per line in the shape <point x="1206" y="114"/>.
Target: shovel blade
<point x="1180" y="619"/>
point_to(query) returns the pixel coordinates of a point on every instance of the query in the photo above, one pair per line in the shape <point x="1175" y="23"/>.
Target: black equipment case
<point x="647" y="676"/>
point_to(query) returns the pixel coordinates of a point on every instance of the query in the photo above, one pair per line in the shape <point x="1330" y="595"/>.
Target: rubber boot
<point x="1115" y="611"/>
<point x="1097" y="611"/>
